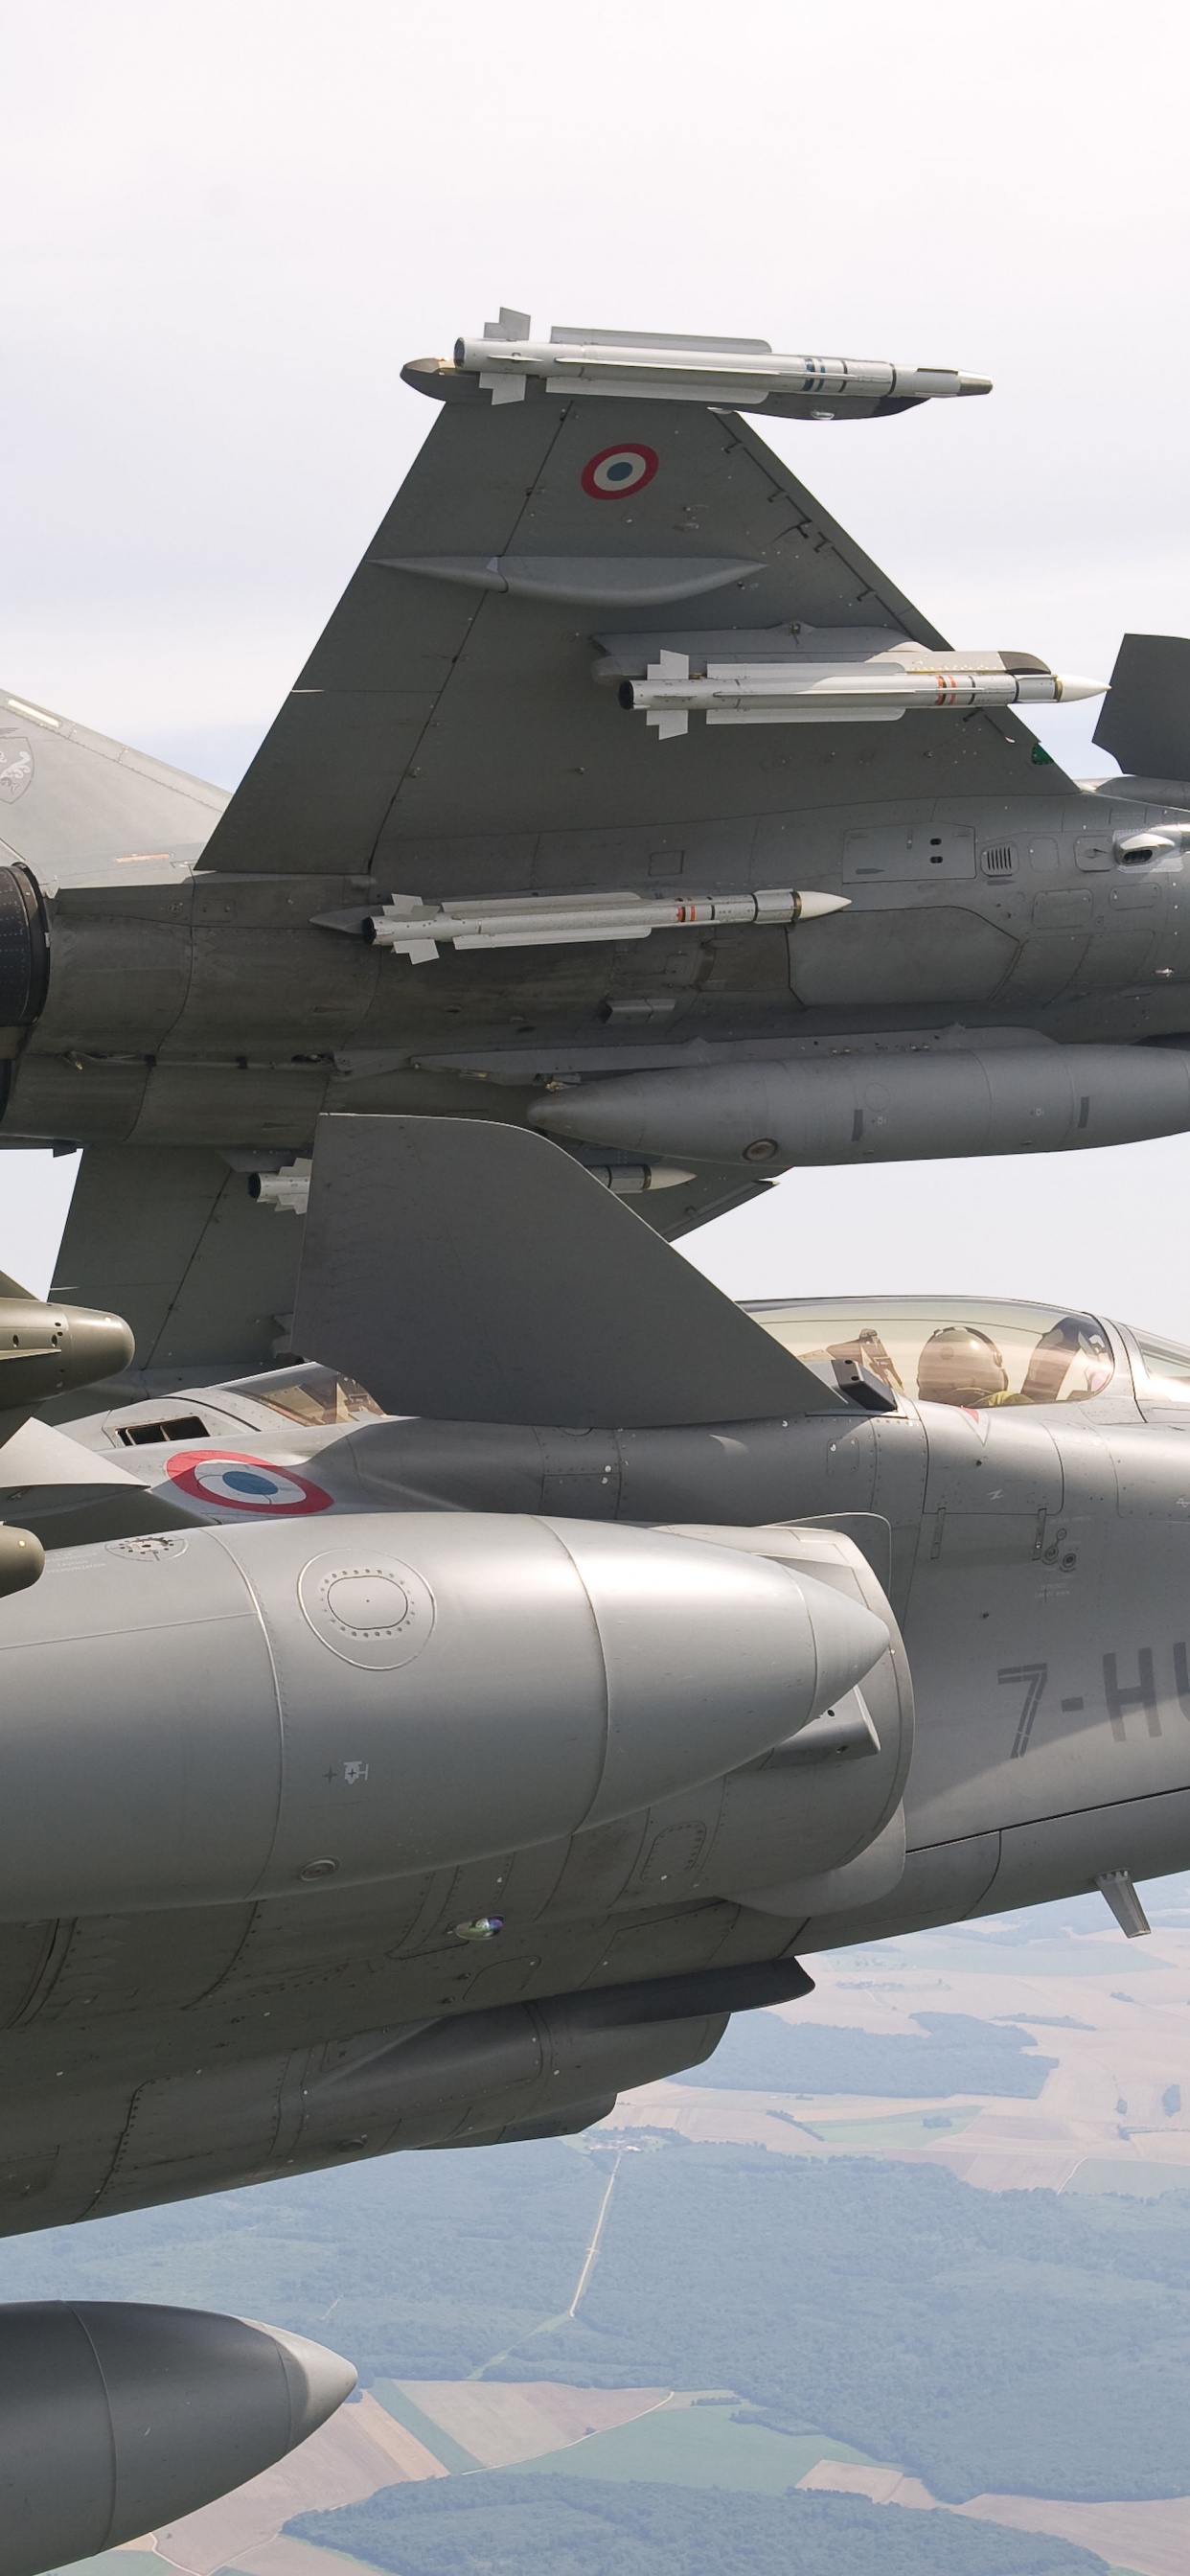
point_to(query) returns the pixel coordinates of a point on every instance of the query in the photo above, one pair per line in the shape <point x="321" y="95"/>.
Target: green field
<point x="1133" y="2182"/>
<point x="895" y="2128"/>
<point x="694" y="2446"/>
<point x="404" y="2411"/>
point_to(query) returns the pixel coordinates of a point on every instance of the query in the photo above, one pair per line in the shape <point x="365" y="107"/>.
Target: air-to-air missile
<point x="740" y="375"/>
<point x="457" y="881"/>
<point x="879" y="690"/>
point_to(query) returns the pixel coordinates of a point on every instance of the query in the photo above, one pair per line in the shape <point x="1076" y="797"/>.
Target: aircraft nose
<point x="95" y="1346"/>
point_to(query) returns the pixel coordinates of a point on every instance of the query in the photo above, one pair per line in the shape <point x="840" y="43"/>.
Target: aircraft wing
<point x="447" y="730"/>
<point x="79" y="808"/>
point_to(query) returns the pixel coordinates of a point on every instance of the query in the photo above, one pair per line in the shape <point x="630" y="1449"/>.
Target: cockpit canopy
<point x="966" y="1351"/>
<point x="975" y="1352"/>
<point x="317" y="1398"/>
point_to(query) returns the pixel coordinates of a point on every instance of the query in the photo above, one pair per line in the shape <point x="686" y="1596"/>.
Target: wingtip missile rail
<point x="739" y="375"/>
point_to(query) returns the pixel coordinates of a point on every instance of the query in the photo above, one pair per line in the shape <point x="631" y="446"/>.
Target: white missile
<point x="115" y="2419"/>
<point x="418" y="930"/>
<point x="631" y="1180"/>
<point x="287" y="1190"/>
<point x="875" y="691"/>
<point x="744" y="375"/>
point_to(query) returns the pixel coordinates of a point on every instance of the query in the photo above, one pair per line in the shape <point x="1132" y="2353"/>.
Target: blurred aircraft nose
<point x="95" y="1346"/>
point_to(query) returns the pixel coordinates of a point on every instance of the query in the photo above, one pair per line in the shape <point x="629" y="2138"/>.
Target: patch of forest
<point x="974" y="2337"/>
<point x="760" y="2053"/>
<point x="1017" y="2341"/>
<point x="499" y="2524"/>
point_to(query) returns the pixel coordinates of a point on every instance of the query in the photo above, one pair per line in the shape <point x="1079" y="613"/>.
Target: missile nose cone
<point x="848" y="1639"/>
<point x="1069" y="685"/>
<point x="814" y="907"/>
<point x="317" y="2380"/>
<point x="95" y="1346"/>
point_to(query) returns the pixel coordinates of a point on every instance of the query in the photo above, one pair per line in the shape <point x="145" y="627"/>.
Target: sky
<point x="227" y="225"/>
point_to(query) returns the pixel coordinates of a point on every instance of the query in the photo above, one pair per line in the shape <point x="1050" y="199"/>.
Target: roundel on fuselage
<point x="233" y="1481"/>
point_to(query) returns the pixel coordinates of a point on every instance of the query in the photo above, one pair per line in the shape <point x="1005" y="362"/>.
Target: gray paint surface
<point x="522" y="1292"/>
<point x="449" y="737"/>
<point x="443" y="1627"/>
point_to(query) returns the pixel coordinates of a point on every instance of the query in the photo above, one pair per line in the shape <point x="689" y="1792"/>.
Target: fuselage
<point x="1029" y="1543"/>
<point x="153" y="999"/>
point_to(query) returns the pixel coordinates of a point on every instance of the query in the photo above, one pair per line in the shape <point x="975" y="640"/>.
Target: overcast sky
<point x="227" y="225"/>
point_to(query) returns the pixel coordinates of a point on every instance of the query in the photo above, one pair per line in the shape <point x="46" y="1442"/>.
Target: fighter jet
<point x="623" y="797"/>
<point x="594" y="1674"/>
<point x="418" y="1744"/>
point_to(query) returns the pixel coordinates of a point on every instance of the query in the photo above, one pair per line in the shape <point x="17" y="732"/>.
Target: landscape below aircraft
<point x="624" y="797"/>
<point x="417" y="1745"/>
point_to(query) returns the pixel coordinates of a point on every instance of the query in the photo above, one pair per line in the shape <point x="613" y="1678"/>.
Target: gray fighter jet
<point x="418" y="1744"/>
<point x="623" y="796"/>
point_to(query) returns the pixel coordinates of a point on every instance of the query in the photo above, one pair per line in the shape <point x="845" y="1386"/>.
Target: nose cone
<point x="94" y="1346"/>
<point x="1067" y="684"/>
<point x="22" y="1559"/>
<point x="317" y="2380"/>
<point x="116" y="2419"/>
<point x="608" y="1113"/>
<point x="848" y="1640"/>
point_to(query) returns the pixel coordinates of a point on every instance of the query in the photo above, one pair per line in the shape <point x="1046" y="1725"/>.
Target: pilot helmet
<point x="959" y="1365"/>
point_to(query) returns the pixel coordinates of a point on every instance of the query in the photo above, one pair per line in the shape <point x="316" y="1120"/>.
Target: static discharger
<point x="878" y="691"/>
<point x="743" y="375"/>
<point x="419" y="930"/>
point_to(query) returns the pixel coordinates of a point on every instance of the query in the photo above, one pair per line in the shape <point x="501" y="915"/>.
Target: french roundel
<point x="234" y="1482"/>
<point x="619" y="470"/>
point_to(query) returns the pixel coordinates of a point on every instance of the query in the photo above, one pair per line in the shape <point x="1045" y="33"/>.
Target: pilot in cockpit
<point x="961" y="1365"/>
